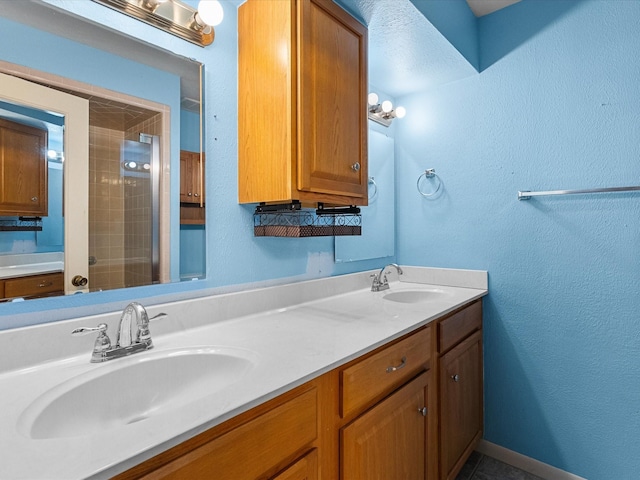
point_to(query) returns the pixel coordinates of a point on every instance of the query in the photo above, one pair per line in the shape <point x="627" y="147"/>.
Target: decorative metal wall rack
<point x="290" y="220"/>
<point x="21" y="224"/>
<point x="526" y="195"/>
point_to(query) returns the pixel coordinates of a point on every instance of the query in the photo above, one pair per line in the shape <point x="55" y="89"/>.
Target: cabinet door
<point x="23" y="170"/>
<point x="332" y="110"/>
<point x="191" y="187"/>
<point x="460" y="402"/>
<point x="304" y="469"/>
<point x="388" y="441"/>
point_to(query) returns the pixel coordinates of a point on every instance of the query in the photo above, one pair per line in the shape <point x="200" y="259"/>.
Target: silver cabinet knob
<point x="355" y="167"/>
<point x="423" y="411"/>
<point x="455" y="377"/>
<point x="34" y="199"/>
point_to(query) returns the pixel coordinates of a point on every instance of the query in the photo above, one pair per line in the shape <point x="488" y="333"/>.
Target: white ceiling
<point x="485" y="7"/>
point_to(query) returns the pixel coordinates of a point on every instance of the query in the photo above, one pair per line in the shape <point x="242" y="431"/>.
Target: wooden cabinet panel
<point x="304" y="469"/>
<point x="302" y="121"/>
<point x="453" y="329"/>
<point x="461" y="412"/>
<point x="253" y="448"/>
<point x="23" y="170"/>
<point x="191" y="180"/>
<point x="388" y="441"/>
<point x="192" y="189"/>
<point x="34" y="285"/>
<point x="378" y="374"/>
<point x="333" y="120"/>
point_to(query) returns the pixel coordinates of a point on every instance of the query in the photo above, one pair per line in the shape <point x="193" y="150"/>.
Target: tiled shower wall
<point x="106" y="209"/>
<point x="119" y="209"/>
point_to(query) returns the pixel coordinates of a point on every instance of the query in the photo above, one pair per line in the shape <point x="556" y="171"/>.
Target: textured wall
<point x="557" y="106"/>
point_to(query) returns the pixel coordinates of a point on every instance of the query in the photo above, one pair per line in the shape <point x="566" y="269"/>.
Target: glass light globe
<point x="387" y="106"/>
<point x="372" y="99"/>
<point x="210" y="12"/>
<point x="401" y="112"/>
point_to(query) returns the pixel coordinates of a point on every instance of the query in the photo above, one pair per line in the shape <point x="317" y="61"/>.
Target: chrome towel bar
<point x="526" y="195"/>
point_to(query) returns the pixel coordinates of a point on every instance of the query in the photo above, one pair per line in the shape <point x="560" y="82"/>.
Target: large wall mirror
<point x="87" y="191"/>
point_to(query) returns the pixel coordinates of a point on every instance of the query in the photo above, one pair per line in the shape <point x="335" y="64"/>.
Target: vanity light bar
<point x="171" y="16"/>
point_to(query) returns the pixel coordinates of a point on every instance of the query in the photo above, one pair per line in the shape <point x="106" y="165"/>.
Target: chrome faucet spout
<point x="125" y="335"/>
<point x="380" y="281"/>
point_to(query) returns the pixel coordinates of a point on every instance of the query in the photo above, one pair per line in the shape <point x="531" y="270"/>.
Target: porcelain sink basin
<point x="415" y="296"/>
<point x="130" y="390"/>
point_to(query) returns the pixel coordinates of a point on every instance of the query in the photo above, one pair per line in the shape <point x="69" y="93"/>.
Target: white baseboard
<point x="525" y="463"/>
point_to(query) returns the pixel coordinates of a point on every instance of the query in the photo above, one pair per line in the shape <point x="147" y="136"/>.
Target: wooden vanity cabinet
<point x="388" y="440"/>
<point x="460" y="388"/>
<point x="276" y="440"/>
<point x="302" y="113"/>
<point x="32" y="286"/>
<point x="379" y="416"/>
<point x="23" y="163"/>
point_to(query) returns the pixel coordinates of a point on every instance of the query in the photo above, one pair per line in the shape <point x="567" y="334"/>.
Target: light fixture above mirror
<point x="383" y="113"/>
<point x="174" y="16"/>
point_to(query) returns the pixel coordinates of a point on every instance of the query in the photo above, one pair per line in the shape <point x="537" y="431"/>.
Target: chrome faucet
<point x="380" y="279"/>
<point x="127" y="343"/>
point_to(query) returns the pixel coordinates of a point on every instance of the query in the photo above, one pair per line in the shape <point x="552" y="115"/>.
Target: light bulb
<point x="372" y="98"/>
<point x="210" y="12"/>
<point x="401" y="112"/>
<point x="387" y="106"/>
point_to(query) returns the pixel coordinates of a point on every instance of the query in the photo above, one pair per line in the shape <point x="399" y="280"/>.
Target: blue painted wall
<point x="557" y="106"/>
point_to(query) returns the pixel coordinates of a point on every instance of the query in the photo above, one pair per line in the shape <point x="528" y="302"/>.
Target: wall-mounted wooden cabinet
<point x="302" y="116"/>
<point x="192" y="210"/>
<point x="23" y="170"/>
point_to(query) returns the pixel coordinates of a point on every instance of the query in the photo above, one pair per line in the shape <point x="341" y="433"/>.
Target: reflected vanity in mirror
<point x="100" y="176"/>
<point x="378" y="218"/>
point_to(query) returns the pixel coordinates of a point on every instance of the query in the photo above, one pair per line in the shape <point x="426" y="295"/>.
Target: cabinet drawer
<point x="33" y="285"/>
<point x="459" y="325"/>
<point x="248" y="451"/>
<point x="378" y="374"/>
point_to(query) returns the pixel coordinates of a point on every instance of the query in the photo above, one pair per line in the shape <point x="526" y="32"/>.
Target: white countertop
<point x="30" y="264"/>
<point x="291" y="342"/>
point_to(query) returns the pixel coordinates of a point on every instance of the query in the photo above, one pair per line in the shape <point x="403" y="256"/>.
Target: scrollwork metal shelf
<point x="291" y="221"/>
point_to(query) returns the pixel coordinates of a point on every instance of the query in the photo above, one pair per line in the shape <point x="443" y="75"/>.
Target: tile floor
<point x="482" y="467"/>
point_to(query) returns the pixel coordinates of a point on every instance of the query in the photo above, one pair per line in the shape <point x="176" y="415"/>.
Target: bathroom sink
<point x="415" y="296"/>
<point x="132" y="390"/>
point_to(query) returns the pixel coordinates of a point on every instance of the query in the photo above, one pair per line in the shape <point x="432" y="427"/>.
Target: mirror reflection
<point x="143" y="116"/>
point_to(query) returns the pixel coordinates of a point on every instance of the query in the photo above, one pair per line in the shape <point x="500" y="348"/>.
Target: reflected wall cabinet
<point x="23" y="170"/>
<point x="192" y="188"/>
<point x="302" y="112"/>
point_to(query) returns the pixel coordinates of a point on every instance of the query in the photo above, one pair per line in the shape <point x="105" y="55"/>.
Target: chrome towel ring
<point x="375" y="189"/>
<point x="429" y="174"/>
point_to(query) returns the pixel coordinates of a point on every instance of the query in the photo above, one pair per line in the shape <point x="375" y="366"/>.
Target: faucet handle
<point x="144" y="335"/>
<point x="103" y="342"/>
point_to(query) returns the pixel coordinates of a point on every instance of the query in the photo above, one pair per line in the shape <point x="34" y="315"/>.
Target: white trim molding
<point x="528" y="464"/>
